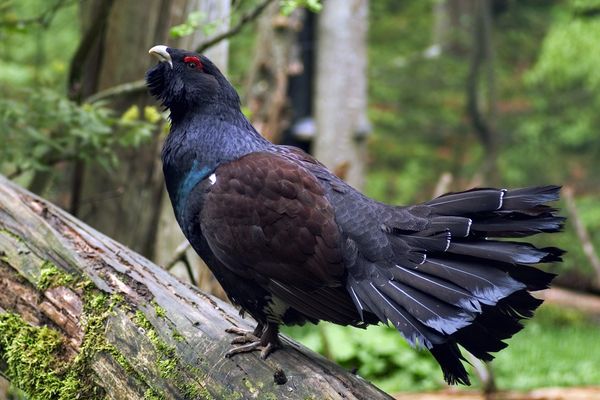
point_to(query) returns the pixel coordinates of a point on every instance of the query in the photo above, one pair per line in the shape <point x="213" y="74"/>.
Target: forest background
<point x="458" y="93"/>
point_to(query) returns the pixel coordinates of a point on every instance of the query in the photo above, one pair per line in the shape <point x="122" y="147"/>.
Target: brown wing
<point x="266" y="217"/>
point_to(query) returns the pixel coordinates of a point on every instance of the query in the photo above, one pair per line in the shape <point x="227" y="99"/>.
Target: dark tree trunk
<point x="484" y="121"/>
<point x="105" y="322"/>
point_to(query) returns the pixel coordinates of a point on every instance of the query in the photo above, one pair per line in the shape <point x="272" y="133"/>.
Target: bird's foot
<point x="244" y="336"/>
<point x="253" y="346"/>
<point x="265" y="340"/>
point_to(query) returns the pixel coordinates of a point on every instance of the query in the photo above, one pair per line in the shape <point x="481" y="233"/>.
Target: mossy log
<point x="82" y="316"/>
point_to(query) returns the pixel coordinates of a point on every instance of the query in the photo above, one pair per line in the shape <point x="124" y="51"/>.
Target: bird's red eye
<point x="193" y="62"/>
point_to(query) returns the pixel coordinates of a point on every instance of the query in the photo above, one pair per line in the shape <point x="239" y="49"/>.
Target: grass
<point x="558" y="347"/>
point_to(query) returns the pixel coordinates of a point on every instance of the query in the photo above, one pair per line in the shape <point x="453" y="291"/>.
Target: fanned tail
<point x="459" y="281"/>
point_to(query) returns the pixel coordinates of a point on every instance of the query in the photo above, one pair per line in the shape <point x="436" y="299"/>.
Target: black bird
<point x="290" y="242"/>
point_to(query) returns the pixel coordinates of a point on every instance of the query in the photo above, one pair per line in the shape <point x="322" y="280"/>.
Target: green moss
<point x="152" y="394"/>
<point x="178" y="336"/>
<point x="121" y="360"/>
<point x="169" y="363"/>
<point x="167" y="354"/>
<point x="140" y="320"/>
<point x="195" y="391"/>
<point x="160" y="312"/>
<point x="51" y="276"/>
<point x="32" y="356"/>
<point x="251" y="388"/>
<point x="12" y="235"/>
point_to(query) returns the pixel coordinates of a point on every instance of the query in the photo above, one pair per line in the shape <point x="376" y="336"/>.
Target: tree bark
<point x="125" y="328"/>
<point x="341" y="89"/>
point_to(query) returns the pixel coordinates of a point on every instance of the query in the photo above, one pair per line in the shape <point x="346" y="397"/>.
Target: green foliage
<point x="379" y="354"/>
<point x="195" y="21"/>
<point x="288" y="6"/>
<point x="416" y="105"/>
<point x="570" y="54"/>
<point x="556" y="348"/>
<point x="37" y="42"/>
<point x="41" y="128"/>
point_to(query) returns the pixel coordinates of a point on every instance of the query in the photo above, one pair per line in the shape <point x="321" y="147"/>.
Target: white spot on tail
<point x="212" y="178"/>
<point x="502" y="192"/>
<point x="448" y="240"/>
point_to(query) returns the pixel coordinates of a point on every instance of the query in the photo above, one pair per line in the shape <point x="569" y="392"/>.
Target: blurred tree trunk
<point x="267" y="84"/>
<point x="481" y="105"/>
<point x="451" y="25"/>
<point x="341" y="88"/>
<point x="127" y="203"/>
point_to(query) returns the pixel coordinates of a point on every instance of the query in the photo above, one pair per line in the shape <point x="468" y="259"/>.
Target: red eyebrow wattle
<point x="195" y="60"/>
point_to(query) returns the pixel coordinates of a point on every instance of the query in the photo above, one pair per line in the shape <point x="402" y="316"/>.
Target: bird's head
<point x="185" y="80"/>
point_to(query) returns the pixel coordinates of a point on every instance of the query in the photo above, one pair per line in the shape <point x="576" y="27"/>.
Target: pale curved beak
<point x="161" y="53"/>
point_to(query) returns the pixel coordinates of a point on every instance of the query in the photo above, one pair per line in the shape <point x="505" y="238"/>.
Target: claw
<point x="257" y="332"/>
<point x="268" y="349"/>
<point x="238" y="331"/>
<point x="247" y="338"/>
<point x="243" y="349"/>
<point x="265" y="340"/>
<point x="253" y="346"/>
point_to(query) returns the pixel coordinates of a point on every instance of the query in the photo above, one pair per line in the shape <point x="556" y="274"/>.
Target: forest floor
<point x="584" y="393"/>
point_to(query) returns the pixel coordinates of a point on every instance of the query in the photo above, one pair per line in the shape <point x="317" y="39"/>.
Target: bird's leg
<point x="267" y="343"/>
<point x="244" y="335"/>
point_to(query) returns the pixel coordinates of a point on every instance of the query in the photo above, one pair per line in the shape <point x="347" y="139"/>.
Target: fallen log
<point x="82" y="316"/>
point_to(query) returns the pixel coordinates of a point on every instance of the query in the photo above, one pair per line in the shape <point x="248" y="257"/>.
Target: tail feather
<point x="450" y="359"/>
<point x="441" y="289"/>
<point x="427" y="309"/>
<point x="487" y="285"/>
<point x="518" y="225"/>
<point x="508" y="252"/>
<point x="472" y="201"/>
<point x="531" y="197"/>
<point x="452" y="283"/>
<point x="416" y="333"/>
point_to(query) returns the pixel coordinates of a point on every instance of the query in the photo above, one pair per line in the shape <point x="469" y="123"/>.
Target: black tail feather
<point x="451" y="285"/>
<point x="449" y="357"/>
